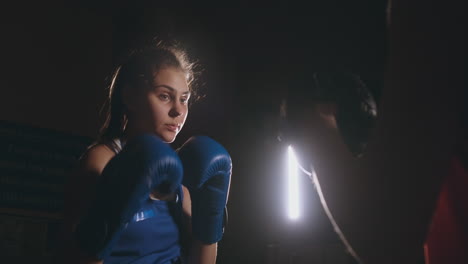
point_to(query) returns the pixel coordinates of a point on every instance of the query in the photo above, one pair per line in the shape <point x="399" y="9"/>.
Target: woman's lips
<point x="172" y="128"/>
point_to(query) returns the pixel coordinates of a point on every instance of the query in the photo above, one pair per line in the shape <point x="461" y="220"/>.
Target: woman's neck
<point x="130" y="132"/>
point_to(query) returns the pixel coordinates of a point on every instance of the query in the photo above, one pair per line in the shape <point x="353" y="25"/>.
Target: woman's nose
<point x="176" y="110"/>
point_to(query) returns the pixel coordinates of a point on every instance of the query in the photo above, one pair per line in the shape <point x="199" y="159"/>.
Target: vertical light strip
<point x="293" y="185"/>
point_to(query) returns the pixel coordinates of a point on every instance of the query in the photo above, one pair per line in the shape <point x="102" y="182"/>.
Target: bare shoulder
<point x="83" y="178"/>
<point x="96" y="158"/>
<point x="80" y="187"/>
<point x="90" y="167"/>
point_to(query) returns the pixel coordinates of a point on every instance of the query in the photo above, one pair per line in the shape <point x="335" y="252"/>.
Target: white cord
<point x="313" y="177"/>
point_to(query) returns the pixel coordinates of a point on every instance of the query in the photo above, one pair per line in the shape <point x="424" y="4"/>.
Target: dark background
<point x="57" y="59"/>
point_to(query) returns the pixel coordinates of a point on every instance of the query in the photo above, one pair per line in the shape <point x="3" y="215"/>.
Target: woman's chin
<point x="167" y="137"/>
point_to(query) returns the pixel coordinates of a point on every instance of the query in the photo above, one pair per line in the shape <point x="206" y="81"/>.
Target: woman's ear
<point x="134" y="92"/>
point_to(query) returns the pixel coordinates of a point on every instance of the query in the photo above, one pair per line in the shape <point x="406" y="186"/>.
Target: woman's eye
<point x="184" y="100"/>
<point x="164" y="97"/>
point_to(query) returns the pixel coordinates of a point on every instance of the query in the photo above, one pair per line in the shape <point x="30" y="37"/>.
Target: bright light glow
<point x="293" y="185"/>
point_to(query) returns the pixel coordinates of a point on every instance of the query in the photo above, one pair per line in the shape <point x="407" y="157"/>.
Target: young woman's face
<point x="162" y="108"/>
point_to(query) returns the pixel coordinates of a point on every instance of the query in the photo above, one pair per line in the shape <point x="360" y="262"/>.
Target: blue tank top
<point x="153" y="236"/>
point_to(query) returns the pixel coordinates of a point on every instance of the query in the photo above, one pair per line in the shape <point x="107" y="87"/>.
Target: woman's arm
<point x="199" y="253"/>
<point x="80" y="190"/>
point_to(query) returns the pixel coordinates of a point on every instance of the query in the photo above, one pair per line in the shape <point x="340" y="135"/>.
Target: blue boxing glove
<point x="207" y="174"/>
<point x="146" y="163"/>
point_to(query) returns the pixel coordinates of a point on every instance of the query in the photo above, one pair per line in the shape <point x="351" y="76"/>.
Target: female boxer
<point x="125" y="201"/>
